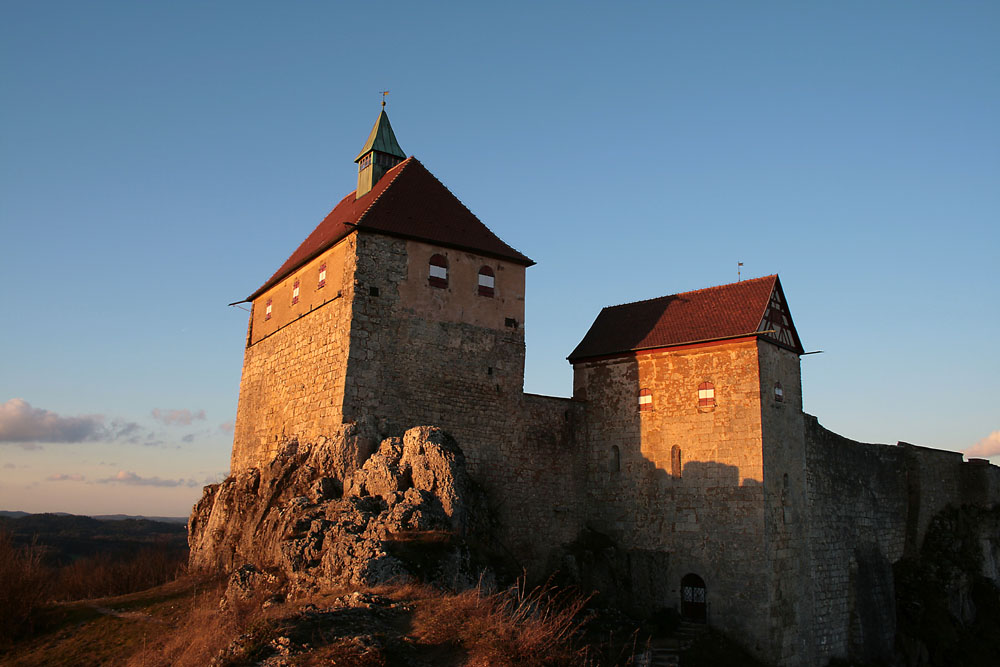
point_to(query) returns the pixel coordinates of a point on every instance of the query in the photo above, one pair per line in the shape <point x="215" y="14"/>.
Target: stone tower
<point x="400" y="308"/>
<point x="693" y="408"/>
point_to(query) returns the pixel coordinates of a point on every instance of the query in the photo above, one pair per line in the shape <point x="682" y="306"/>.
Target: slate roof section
<point x="410" y="203"/>
<point x="726" y="311"/>
<point x="382" y="139"/>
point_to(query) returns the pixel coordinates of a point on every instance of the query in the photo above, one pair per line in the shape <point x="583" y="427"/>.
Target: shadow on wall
<point x="711" y="474"/>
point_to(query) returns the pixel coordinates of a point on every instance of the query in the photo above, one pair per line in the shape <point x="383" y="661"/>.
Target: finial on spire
<point x="384" y="93"/>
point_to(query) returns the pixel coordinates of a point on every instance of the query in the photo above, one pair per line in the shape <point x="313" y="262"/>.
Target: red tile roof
<point x="726" y="311"/>
<point x="408" y="202"/>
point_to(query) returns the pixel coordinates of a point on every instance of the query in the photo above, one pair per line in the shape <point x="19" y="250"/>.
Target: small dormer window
<point x="267" y="310"/>
<point x="779" y="393"/>
<point x="295" y="292"/>
<point x="645" y="400"/>
<point x="706" y="395"/>
<point x="487" y="281"/>
<point x="438" y="276"/>
<point x="322" y="276"/>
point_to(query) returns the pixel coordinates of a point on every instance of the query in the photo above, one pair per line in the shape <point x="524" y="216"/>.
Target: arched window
<point x="487" y="281"/>
<point x="322" y="275"/>
<point x="267" y="310"/>
<point x="675" y="461"/>
<point x="616" y="459"/>
<point x="645" y="400"/>
<point x="295" y="292"/>
<point x="779" y="393"/>
<point x="706" y="395"/>
<point x="438" y="276"/>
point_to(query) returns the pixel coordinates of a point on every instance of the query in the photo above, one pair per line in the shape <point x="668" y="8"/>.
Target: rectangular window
<point x="322" y="275"/>
<point x="295" y="292"/>
<point x="706" y="396"/>
<point x="267" y="310"/>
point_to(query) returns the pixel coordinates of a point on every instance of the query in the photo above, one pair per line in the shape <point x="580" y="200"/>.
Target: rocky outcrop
<point x="312" y="517"/>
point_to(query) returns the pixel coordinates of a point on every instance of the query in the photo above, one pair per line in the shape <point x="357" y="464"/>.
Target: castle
<point x="684" y="443"/>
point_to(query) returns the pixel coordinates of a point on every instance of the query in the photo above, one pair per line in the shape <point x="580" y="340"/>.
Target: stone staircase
<point x="667" y="651"/>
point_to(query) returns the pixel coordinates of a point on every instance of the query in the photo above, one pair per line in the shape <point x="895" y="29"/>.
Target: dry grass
<point x="513" y="627"/>
<point x="206" y="630"/>
<point x="182" y="623"/>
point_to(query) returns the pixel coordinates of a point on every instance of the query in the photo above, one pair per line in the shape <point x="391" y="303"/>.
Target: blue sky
<point x="160" y="160"/>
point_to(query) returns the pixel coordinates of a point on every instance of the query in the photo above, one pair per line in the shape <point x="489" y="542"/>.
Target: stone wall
<point x="537" y="480"/>
<point x="857" y="511"/>
<point x="293" y="378"/>
<point x="785" y="520"/>
<point x="338" y="265"/>
<point x="702" y="503"/>
<point x="412" y="365"/>
<point x="455" y="359"/>
<point x="869" y="505"/>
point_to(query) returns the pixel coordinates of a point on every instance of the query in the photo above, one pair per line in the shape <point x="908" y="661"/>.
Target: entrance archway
<point x="694" y="605"/>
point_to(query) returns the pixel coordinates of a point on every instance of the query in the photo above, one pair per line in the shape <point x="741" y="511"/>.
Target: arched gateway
<point x="694" y="605"/>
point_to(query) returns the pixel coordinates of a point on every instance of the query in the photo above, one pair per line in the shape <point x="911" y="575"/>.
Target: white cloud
<point x="21" y="423"/>
<point x="988" y="446"/>
<point x="172" y="417"/>
<point x="61" y="477"/>
<point x="128" y="477"/>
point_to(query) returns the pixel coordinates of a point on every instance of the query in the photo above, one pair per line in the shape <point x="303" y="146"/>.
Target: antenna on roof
<point x="384" y="93"/>
<point x="739" y="277"/>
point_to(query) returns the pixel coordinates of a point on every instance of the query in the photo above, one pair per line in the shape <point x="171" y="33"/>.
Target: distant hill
<point x="119" y="517"/>
<point x="65" y="538"/>
<point x="102" y="517"/>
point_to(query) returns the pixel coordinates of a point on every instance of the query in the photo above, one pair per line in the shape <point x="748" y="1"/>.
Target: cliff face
<point x="337" y="512"/>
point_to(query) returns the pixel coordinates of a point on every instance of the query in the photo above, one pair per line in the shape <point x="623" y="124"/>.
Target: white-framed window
<point x="706" y="395"/>
<point x="438" y="271"/>
<point x="322" y="275"/>
<point x="645" y="400"/>
<point x="267" y="310"/>
<point x="295" y="292"/>
<point x="487" y="281"/>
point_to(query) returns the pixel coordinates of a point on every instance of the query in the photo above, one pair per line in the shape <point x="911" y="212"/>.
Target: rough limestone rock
<point x="312" y="518"/>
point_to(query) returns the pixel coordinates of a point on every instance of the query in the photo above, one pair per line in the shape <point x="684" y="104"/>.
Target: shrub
<point x="24" y="587"/>
<point x="103" y="575"/>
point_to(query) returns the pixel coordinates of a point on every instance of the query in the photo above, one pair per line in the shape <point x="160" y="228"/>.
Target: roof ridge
<point x="469" y="210"/>
<point x="401" y="167"/>
<point x="696" y="291"/>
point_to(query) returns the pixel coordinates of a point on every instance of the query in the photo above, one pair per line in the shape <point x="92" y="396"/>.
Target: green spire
<point x="380" y="154"/>
<point x="382" y="139"/>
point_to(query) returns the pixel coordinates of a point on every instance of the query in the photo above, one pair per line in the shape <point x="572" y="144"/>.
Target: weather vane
<point x="384" y="93"/>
